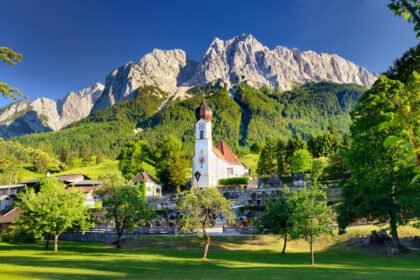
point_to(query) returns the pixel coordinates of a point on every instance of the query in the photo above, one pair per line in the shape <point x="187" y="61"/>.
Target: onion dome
<point x="203" y="112"/>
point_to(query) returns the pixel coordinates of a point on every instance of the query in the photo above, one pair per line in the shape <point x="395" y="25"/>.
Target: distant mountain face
<point x="44" y="114"/>
<point x="240" y="59"/>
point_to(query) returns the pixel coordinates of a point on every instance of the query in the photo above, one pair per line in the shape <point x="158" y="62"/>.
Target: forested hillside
<point x="242" y="117"/>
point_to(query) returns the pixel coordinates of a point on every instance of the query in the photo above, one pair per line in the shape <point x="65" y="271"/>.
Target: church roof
<point x="203" y="112"/>
<point x="223" y="151"/>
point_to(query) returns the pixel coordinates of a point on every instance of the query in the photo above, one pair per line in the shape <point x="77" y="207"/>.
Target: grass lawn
<point x="169" y="257"/>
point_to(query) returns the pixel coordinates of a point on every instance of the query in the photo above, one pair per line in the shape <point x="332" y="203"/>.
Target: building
<point x="8" y="219"/>
<point x="153" y="187"/>
<point x="78" y="181"/>
<point x="210" y="164"/>
<point x="8" y="194"/>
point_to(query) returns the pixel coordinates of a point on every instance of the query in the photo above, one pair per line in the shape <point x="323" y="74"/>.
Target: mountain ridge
<point x="241" y="59"/>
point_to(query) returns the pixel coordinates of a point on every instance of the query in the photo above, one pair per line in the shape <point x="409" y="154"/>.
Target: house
<point x="153" y="187"/>
<point x="210" y="164"/>
<point x="8" y="219"/>
<point x="8" y="194"/>
<point x="78" y="181"/>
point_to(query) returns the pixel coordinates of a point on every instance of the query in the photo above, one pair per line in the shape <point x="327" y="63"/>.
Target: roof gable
<point x="223" y="151"/>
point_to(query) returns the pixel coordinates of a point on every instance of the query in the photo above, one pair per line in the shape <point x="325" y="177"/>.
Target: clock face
<point x="201" y="126"/>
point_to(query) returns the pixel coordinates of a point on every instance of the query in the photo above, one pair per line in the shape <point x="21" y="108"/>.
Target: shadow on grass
<point x="98" y="261"/>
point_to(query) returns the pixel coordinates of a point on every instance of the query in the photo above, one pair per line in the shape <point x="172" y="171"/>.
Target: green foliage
<point x="131" y="158"/>
<point x="380" y="187"/>
<point x="52" y="210"/>
<point x="110" y="183"/>
<point x="234" y="181"/>
<point x="199" y="209"/>
<point x="127" y="208"/>
<point x="281" y="158"/>
<point x="403" y="67"/>
<point x="267" y="161"/>
<point x="311" y="216"/>
<point x="277" y="217"/>
<point x="325" y="144"/>
<point x="301" y="161"/>
<point x="10" y="57"/>
<point x="410" y="10"/>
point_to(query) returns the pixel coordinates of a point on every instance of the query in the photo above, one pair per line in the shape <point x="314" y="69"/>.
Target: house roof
<point x="223" y="151"/>
<point x="17" y="186"/>
<point x="144" y="177"/>
<point x="87" y="183"/>
<point x="10" y="217"/>
<point x="67" y="179"/>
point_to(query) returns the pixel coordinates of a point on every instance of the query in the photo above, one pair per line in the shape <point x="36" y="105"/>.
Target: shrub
<point x="234" y="181"/>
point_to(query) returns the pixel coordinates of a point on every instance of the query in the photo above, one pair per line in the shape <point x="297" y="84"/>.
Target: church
<point x="210" y="164"/>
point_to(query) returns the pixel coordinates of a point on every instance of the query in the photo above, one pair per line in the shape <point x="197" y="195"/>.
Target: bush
<point x="17" y="235"/>
<point x="234" y="181"/>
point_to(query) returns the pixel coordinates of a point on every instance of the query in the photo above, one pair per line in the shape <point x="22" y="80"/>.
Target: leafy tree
<point x="281" y="158"/>
<point x="8" y="56"/>
<point x="200" y="209"/>
<point x="127" y="208"/>
<point x="66" y="154"/>
<point x="99" y="157"/>
<point x="176" y="173"/>
<point x="403" y="67"/>
<point x="86" y="155"/>
<point x="311" y="216"/>
<point x="110" y="183"/>
<point x="301" y="161"/>
<point x="318" y="166"/>
<point x="131" y="159"/>
<point x="267" y="162"/>
<point x="380" y="187"/>
<point x="52" y="210"/>
<point x="276" y="217"/>
<point x="409" y="9"/>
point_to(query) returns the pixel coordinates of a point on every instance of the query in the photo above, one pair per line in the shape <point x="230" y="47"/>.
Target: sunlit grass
<point x="170" y="257"/>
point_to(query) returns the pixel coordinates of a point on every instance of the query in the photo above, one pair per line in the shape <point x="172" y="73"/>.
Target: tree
<point x="292" y="146"/>
<point x="276" y="217"/>
<point x="131" y="158"/>
<point x="52" y="210"/>
<point x="65" y="154"/>
<point x="200" y="209"/>
<point x="409" y="9"/>
<point x="86" y="155"/>
<point x="311" y="216"/>
<point x="11" y="58"/>
<point x="380" y="187"/>
<point x="110" y="183"/>
<point x="301" y="161"/>
<point x="172" y="174"/>
<point x="99" y="157"/>
<point x="281" y="158"/>
<point x="127" y="208"/>
<point x="267" y="162"/>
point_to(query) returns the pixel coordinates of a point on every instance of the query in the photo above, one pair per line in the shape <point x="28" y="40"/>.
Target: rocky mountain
<point x="240" y="59"/>
<point x="44" y="114"/>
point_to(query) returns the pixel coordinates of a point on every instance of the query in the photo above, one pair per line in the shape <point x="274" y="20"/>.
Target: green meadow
<point x="241" y="257"/>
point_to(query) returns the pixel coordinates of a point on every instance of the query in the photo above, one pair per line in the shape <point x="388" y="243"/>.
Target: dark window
<point x="201" y="134"/>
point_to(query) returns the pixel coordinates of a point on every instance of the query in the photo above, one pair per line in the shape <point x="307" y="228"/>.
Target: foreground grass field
<point x="169" y="257"/>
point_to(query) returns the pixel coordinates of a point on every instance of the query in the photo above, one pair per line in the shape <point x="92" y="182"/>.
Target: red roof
<point x="223" y="152"/>
<point x="10" y="217"/>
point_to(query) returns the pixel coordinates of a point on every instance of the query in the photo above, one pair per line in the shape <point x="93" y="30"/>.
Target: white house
<point x="210" y="164"/>
<point x="153" y="187"/>
<point x="7" y="196"/>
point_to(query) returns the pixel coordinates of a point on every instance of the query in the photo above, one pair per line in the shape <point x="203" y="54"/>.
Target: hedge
<point x="234" y="181"/>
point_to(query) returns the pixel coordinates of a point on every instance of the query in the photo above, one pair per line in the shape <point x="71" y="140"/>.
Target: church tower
<point x="202" y="161"/>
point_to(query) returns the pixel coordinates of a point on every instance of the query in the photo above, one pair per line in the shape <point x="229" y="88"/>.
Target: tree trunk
<point x="284" y="244"/>
<point x="119" y="239"/>
<point x="394" y="233"/>
<point x="206" y="247"/>
<point x="47" y="243"/>
<point x="312" y="251"/>
<point x="56" y="243"/>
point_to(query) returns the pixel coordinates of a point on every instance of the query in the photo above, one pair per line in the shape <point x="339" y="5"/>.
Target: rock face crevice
<point x="240" y="59"/>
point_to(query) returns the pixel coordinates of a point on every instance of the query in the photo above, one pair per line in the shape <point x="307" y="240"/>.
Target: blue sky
<point x="71" y="44"/>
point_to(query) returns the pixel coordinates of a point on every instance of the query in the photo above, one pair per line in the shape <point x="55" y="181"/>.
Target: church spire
<point x="203" y="112"/>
